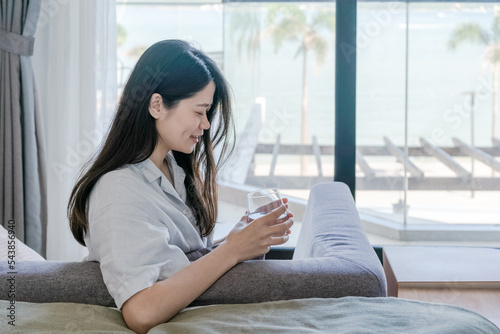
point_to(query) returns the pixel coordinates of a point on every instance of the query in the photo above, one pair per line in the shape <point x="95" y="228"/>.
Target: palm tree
<point x="121" y="35"/>
<point x="245" y="27"/>
<point x="246" y="34"/>
<point x="288" y="23"/>
<point x="474" y="33"/>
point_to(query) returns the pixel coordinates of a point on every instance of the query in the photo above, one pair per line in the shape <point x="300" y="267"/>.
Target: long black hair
<point x="175" y="70"/>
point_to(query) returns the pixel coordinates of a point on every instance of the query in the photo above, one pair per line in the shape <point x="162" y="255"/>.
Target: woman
<point x="150" y="195"/>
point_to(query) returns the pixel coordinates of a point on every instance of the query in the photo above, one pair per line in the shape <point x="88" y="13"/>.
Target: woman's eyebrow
<point x="206" y="105"/>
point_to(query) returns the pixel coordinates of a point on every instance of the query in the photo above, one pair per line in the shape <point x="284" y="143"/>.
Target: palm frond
<point x="245" y="32"/>
<point x="324" y="19"/>
<point x="319" y="46"/>
<point x="468" y="32"/>
<point x="495" y="28"/>
<point x="292" y="12"/>
<point x="285" y="23"/>
<point x="121" y="35"/>
<point x="272" y="12"/>
<point x="492" y="54"/>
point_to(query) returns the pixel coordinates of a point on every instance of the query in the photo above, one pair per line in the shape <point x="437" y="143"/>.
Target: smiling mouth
<point x="195" y="138"/>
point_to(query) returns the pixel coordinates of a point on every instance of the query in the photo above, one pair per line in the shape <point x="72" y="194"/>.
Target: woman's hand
<point x="246" y="219"/>
<point x="249" y="239"/>
<point x="270" y="207"/>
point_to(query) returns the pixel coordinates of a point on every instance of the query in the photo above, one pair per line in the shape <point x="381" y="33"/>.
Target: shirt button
<point x="185" y="212"/>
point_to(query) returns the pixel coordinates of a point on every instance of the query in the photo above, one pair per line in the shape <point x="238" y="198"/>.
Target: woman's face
<point x="180" y="128"/>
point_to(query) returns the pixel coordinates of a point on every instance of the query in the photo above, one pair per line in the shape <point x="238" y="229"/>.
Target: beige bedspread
<point x="339" y="315"/>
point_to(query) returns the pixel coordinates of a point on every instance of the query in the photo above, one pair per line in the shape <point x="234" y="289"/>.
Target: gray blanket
<point x="335" y="315"/>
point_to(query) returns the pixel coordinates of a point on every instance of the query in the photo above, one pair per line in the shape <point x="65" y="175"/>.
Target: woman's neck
<point x="158" y="158"/>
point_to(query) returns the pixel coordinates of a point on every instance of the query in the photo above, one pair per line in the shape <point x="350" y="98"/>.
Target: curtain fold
<point x="75" y="67"/>
<point x="22" y="170"/>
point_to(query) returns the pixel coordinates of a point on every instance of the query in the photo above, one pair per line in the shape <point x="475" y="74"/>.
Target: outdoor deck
<point x="462" y="178"/>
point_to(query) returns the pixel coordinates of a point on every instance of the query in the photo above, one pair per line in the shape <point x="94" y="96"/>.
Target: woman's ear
<point x="155" y="105"/>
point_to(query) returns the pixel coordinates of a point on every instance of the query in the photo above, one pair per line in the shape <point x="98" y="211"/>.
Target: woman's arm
<point x="163" y="300"/>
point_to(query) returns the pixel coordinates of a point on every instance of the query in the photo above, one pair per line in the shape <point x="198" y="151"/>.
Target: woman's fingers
<point x="284" y="219"/>
<point x="279" y="240"/>
<point x="281" y="229"/>
<point x="256" y="237"/>
<point x="273" y="215"/>
<point x="273" y="205"/>
<point x="275" y="224"/>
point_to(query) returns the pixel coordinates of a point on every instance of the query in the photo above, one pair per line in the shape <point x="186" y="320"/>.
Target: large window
<point x="426" y="105"/>
<point x="427" y="153"/>
<point x="279" y="61"/>
<point x="280" y="56"/>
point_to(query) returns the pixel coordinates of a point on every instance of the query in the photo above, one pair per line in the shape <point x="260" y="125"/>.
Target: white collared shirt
<point x="140" y="227"/>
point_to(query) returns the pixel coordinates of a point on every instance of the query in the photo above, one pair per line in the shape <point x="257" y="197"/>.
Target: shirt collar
<point x="152" y="173"/>
<point x="149" y="169"/>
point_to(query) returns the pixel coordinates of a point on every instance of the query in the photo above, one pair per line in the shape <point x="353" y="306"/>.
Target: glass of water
<point x="263" y="201"/>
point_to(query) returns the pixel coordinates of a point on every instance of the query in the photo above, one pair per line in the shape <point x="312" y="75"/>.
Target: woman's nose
<point x="205" y="124"/>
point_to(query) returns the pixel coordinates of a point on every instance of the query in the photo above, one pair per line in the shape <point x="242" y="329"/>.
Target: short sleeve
<point x="133" y="252"/>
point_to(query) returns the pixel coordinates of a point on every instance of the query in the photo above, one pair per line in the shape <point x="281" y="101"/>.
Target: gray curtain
<point x="23" y="195"/>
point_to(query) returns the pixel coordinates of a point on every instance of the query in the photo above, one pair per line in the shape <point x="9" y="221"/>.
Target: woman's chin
<point x="187" y="150"/>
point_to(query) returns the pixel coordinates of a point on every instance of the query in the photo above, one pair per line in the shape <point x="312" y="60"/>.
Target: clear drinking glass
<point x="263" y="201"/>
